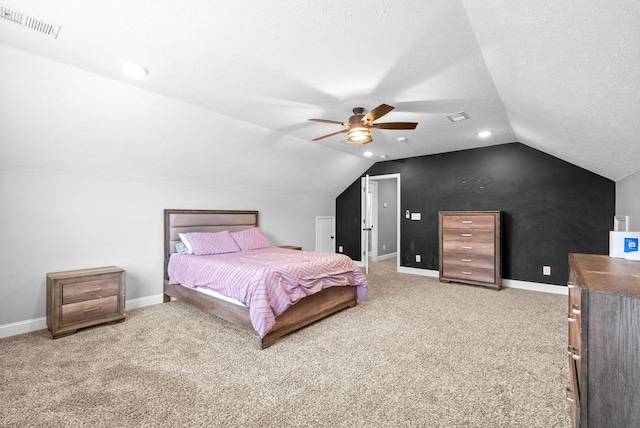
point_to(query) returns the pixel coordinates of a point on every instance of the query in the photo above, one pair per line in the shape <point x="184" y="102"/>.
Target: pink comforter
<point x="268" y="280"/>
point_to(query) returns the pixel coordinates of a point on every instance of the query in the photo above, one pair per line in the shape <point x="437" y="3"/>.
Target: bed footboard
<point x="311" y="309"/>
<point x="307" y="311"/>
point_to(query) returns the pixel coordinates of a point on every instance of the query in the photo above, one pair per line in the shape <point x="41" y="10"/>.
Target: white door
<point x="373" y="220"/>
<point x="325" y="234"/>
<point x="366" y="221"/>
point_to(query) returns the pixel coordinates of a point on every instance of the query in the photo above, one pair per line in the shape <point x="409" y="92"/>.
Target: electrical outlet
<point x="546" y="270"/>
<point x="418" y="258"/>
<point x="339" y="248"/>
<point x="384" y="247"/>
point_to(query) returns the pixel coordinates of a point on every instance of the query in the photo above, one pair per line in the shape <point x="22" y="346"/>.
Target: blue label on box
<point x="630" y="245"/>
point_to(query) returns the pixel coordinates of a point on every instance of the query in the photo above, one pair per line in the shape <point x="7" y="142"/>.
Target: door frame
<point x="333" y="230"/>
<point x="374" y="231"/>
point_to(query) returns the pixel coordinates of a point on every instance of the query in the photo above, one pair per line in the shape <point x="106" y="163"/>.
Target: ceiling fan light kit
<point x="359" y="135"/>
<point x="359" y="125"/>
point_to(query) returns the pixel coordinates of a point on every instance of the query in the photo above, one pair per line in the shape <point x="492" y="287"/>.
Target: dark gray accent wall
<point x="550" y="207"/>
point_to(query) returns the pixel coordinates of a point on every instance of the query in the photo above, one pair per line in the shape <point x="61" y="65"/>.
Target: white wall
<point x="88" y="164"/>
<point x="54" y="222"/>
<point x="628" y="200"/>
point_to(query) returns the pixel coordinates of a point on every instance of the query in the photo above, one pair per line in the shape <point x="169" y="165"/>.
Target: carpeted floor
<point x="413" y="353"/>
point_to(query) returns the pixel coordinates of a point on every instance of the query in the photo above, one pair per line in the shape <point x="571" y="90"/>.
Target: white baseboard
<point x="506" y="283"/>
<point x="21" y="327"/>
<point x="144" y="301"/>
<point x="36" y="324"/>
<point x="417" y="271"/>
<point x="535" y="286"/>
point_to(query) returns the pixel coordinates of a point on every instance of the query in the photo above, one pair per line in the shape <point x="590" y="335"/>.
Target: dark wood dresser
<point x="470" y="247"/>
<point x="83" y="298"/>
<point x="604" y="341"/>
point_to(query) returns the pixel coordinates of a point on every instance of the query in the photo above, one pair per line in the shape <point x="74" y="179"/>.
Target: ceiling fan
<point x="359" y="124"/>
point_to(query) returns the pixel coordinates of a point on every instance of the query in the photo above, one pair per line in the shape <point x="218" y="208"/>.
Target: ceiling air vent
<point x="457" y="117"/>
<point x="46" y="28"/>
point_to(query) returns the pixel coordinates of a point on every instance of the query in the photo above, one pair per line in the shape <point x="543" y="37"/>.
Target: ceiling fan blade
<point x="395" y="125"/>
<point x="377" y="113"/>
<point x="331" y="135"/>
<point x="329" y="121"/>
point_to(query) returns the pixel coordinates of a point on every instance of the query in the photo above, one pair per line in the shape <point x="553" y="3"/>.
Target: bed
<point x="322" y="303"/>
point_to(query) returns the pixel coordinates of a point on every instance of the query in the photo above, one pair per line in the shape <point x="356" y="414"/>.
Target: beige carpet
<point x="414" y="353"/>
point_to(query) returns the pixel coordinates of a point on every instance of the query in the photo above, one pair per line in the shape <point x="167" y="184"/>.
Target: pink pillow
<point x="251" y="239"/>
<point x="204" y="243"/>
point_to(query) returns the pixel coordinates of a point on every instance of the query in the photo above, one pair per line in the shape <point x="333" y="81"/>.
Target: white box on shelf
<point x="624" y="245"/>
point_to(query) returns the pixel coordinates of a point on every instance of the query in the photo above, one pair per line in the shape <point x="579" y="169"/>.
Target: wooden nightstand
<point x="291" y="247"/>
<point x="83" y="298"/>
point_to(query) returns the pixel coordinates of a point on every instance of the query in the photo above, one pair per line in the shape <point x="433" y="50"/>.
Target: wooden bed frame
<point x="306" y="311"/>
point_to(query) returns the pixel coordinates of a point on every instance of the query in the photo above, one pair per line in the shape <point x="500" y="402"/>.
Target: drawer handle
<point x="467" y="273"/>
<point x="576" y="312"/>
<point x="570" y="285"/>
<point x="569" y="394"/>
<point x="92" y="309"/>
<point x="466" y="248"/>
<point x="467" y="234"/>
<point x="571" y="351"/>
<point x="467" y="260"/>
<point x="467" y="221"/>
<point x="571" y="319"/>
<point x="93" y="290"/>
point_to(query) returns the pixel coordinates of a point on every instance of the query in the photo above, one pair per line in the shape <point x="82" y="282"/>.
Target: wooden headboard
<point x="185" y="221"/>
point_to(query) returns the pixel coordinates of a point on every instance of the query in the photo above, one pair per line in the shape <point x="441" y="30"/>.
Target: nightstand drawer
<point x="89" y="310"/>
<point x="89" y="290"/>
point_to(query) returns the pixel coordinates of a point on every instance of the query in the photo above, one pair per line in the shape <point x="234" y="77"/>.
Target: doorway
<point x="381" y="239"/>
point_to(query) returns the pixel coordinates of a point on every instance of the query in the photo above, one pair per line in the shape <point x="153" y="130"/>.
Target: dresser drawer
<point x="478" y="247"/>
<point x="468" y="235"/>
<point x="89" y="290"/>
<point x="468" y="222"/>
<point x="468" y="261"/>
<point x="89" y="310"/>
<point x="470" y="274"/>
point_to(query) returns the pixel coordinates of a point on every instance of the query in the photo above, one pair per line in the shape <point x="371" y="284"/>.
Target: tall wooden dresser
<point x="604" y="341"/>
<point x="470" y="247"/>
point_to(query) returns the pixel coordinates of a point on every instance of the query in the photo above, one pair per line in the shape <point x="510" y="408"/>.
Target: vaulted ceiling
<point x="561" y="77"/>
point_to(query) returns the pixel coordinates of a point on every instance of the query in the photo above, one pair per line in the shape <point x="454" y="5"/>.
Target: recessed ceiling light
<point x="368" y="154"/>
<point x="134" y="71"/>
<point x="484" y="134"/>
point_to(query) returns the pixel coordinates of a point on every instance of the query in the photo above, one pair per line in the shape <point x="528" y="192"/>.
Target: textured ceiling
<point x="561" y="77"/>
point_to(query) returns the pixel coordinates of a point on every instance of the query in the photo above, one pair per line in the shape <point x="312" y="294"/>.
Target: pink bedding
<point x="267" y="280"/>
